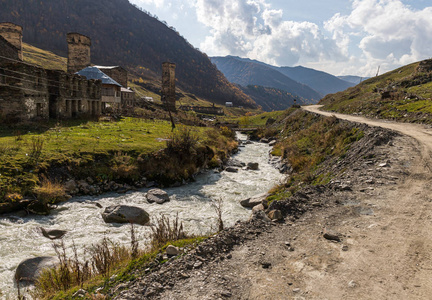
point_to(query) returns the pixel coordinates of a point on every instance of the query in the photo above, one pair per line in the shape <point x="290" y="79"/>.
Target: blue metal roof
<point x="95" y="73"/>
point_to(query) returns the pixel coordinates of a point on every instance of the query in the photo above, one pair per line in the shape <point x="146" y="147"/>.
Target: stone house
<point x="79" y="58"/>
<point x="110" y="91"/>
<point x="30" y="92"/>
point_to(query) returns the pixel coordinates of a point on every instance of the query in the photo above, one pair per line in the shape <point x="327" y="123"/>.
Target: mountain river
<point x="192" y="202"/>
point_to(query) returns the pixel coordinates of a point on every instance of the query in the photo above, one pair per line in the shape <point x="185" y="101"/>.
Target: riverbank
<point x="50" y="164"/>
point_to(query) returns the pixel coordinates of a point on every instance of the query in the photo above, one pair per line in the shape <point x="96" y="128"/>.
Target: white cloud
<point x="392" y="33"/>
<point x="251" y="28"/>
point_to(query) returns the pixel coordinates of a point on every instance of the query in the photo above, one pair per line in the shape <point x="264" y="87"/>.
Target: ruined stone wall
<point x="73" y="96"/>
<point x="23" y="93"/>
<point x="13" y="34"/>
<point x="78" y="52"/>
<point x="118" y="74"/>
<point x="29" y="92"/>
<point x="168" y="85"/>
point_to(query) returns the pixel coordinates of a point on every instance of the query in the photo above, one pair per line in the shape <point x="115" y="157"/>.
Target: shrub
<point x="227" y="132"/>
<point x="50" y="192"/>
<point x="182" y="141"/>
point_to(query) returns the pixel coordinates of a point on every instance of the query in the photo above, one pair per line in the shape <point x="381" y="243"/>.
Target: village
<point x="30" y="92"/>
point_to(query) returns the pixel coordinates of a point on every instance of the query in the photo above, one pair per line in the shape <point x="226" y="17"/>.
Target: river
<point x="192" y="202"/>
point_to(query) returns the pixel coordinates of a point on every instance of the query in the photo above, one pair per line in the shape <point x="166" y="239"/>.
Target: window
<point x="39" y="109"/>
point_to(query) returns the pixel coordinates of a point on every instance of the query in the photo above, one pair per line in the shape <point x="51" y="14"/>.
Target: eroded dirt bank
<point x="379" y="204"/>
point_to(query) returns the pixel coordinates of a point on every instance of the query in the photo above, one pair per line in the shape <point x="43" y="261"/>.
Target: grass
<point x="410" y="98"/>
<point x="42" y="58"/>
<point x="305" y="142"/>
<point x="121" y="150"/>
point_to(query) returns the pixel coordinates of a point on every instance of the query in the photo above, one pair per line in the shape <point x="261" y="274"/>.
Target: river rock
<point x="30" y="269"/>
<point x="272" y="143"/>
<point x="258" y="207"/>
<point x="231" y="169"/>
<point x="275" y="215"/>
<point x="125" y="214"/>
<point x="157" y="195"/>
<point x="264" y="140"/>
<point x="172" y="250"/>
<point x="235" y="163"/>
<point x="84" y="186"/>
<point x="70" y="186"/>
<point x="52" y="234"/>
<point x="260" y="215"/>
<point x="252" y="166"/>
<point x="38" y="208"/>
<point x="254" y="201"/>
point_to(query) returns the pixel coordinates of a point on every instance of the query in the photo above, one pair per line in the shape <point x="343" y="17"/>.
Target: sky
<point x="341" y="37"/>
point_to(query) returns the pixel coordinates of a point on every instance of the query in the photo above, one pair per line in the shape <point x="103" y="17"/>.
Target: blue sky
<point x="342" y="37"/>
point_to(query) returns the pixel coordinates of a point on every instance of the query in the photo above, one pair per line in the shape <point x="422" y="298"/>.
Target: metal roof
<point x="95" y="73"/>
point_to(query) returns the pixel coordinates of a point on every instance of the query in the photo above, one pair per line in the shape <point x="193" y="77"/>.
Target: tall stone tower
<point x="78" y="52"/>
<point x="13" y="34"/>
<point x="168" y="86"/>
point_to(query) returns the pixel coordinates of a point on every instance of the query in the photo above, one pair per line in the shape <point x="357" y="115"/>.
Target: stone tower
<point x="13" y="34"/>
<point x="78" y="52"/>
<point x="168" y="86"/>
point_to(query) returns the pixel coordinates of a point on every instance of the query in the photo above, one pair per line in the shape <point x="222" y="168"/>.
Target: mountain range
<point x="122" y="35"/>
<point x="304" y="84"/>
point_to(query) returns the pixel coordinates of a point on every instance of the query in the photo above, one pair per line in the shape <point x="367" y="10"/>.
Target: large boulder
<point x="125" y="214"/>
<point x="255" y="200"/>
<point x="157" y="195"/>
<point x="30" y="269"/>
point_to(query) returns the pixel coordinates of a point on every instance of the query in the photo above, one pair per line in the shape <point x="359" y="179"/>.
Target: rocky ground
<point x="365" y="235"/>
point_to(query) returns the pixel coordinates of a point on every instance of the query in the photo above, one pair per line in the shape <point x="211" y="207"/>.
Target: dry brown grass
<point x="50" y="192"/>
<point x="164" y="232"/>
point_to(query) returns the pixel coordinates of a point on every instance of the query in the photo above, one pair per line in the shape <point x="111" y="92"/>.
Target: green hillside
<point x="403" y="94"/>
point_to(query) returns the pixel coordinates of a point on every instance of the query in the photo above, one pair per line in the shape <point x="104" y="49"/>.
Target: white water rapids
<point x="192" y="202"/>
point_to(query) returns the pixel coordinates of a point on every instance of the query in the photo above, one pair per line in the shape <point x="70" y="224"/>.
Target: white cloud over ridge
<point x="251" y="28"/>
<point x="376" y="32"/>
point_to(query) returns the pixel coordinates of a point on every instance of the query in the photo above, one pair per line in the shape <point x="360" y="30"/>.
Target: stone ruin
<point x="78" y="52"/>
<point x="168" y="86"/>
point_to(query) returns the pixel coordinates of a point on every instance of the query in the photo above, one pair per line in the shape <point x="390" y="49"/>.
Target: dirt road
<point x="420" y="133"/>
<point x="384" y="218"/>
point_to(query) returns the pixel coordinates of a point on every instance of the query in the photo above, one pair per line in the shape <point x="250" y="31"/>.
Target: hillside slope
<point x="121" y="35"/>
<point x="321" y="82"/>
<point x="403" y="94"/>
<point x="247" y="72"/>
<point x="271" y="99"/>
